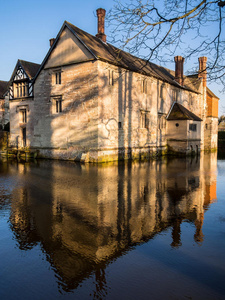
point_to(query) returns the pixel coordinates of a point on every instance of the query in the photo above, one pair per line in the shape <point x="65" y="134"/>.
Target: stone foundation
<point x="103" y="155"/>
<point x="184" y="147"/>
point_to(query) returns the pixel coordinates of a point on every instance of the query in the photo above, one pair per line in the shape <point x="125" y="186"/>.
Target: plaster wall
<point x="177" y="129"/>
<point x="181" y="138"/>
<point x="194" y="135"/>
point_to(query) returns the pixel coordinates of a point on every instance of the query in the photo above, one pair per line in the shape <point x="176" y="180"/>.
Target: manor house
<point x="92" y="102"/>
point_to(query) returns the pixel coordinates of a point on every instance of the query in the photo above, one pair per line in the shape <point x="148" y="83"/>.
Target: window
<point x="144" y="86"/>
<point x="145" y="119"/>
<point x="58" y="105"/>
<point x="120" y="125"/>
<point x="163" y="91"/>
<point x="192" y="127"/>
<point x="191" y="99"/>
<point x="161" y="121"/>
<point x="58" y="77"/>
<point x="111" y="79"/>
<point x="24" y="137"/>
<point x="22" y="89"/>
<point x="23" y="115"/>
<point x="174" y="95"/>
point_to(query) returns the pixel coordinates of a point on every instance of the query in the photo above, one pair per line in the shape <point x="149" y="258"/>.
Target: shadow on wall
<point x="70" y="132"/>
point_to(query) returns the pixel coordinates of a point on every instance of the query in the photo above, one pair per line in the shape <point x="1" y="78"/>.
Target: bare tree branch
<point x="159" y="30"/>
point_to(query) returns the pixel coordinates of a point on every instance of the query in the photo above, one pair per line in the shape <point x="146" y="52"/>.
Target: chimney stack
<point x="51" y="41"/>
<point x="101" y="24"/>
<point x="202" y="73"/>
<point x="179" y="69"/>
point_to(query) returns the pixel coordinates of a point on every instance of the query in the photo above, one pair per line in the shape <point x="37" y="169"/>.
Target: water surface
<point x="152" y="230"/>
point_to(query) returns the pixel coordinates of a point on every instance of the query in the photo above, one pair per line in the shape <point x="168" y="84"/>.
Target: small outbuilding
<point x="183" y="130"/>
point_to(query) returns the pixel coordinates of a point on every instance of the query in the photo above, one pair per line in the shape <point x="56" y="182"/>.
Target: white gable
<point x="20" y="74"/>
<point x="68" y="50"/>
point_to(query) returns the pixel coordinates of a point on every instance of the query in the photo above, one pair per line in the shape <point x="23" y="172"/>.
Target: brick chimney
<point x="101" y="24"/>
<point x="179" y="67"/>
<point x="202" y="73"/>
<point x="51" y="41"/>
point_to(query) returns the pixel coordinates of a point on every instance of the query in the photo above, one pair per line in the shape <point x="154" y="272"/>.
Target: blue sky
<point x="26" y="27"/>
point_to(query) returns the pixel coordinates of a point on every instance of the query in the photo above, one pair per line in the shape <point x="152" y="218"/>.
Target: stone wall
<point x="4" y="111"/>
<point x="108" y="113"/>
<point x="211" y="133"/>
<point x="211" y="123"/>
<point x="74" y="130"/>
<point x="3" y="140"/>
<point x="16" y="122"/>
<point x="122" y="104"/>
<point x="1" y="113"/>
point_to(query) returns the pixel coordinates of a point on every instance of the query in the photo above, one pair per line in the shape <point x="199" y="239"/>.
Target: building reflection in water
<point x="84" y="216"/>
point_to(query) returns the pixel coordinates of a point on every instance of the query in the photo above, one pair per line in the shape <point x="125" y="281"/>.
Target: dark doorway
<point x="24" y="136"/>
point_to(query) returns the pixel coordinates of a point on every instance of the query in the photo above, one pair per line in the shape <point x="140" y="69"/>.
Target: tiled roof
<point x="3" y="87"/>
<point x="29" y="67"/>
<point x="107" y="52"/>
<point x="179" y="112"/>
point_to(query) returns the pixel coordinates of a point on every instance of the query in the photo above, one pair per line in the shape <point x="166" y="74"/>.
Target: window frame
<point x="57" y="104"/>
<point x="193" y="127"/>
<point x="23" y="116"/>
<point x="144" y="86"/>
<point x="21" y="89"/>
<point x="144" y="120"/>
<point x="57" y="76"/>
<point x="111" y="77"/>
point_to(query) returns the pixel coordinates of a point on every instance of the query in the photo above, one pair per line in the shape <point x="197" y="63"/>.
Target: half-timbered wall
<point x="21" y="85"/>
<point x="21" y="109"/>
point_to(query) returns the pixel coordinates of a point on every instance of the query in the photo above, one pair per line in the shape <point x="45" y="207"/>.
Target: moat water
<point x="151" y="230"/>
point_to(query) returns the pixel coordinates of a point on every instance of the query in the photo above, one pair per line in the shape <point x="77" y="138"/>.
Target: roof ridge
<point x="26" y="61"/>
<point x="116" y="48"/>
<point x="118" y="57"/>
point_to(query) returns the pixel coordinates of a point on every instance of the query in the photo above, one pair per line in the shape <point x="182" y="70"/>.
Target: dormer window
<point x="21" y="89"/>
